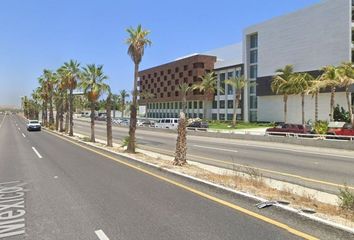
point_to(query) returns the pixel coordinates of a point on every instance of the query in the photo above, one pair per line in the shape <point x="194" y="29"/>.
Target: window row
<point x="174" y="115"/>
<point x="176" y="105"/>
<point x="222" y="116"/>
<point x="176" y="70"/>
<point x="230" y="104"/>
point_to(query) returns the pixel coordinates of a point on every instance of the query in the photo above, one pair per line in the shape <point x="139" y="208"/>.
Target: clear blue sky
<point x="38" y="34"/>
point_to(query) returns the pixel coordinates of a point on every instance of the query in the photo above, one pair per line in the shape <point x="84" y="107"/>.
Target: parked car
<point x="117" y="121"/>
<point x="345" y="130"/>
<point x="198" y="124"/>
<point x="101" y="117"/>
<point x="146" y="123"/>
<point x="171" y="123"/>
<point x="289" y="128"/>
<point x="33" y="125"/>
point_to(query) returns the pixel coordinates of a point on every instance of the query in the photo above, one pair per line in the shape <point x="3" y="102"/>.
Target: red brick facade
<point x="163" y="81"/>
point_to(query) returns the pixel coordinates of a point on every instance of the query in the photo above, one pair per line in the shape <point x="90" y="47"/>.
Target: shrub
<point x="340" y="115"/>
<point x="125" y="141"/>
<point x="346" y="199"/>
<point x="321" y="127"/>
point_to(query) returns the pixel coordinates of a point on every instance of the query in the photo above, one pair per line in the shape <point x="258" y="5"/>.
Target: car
<point x="146" y="123"/>
<point x="198" y="124"/>
<point x="285" y="128"/>
<point x="345" y="130"/>
<point x="33" y="125"/>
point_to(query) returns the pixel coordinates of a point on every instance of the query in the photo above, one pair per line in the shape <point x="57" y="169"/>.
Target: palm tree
<point x="239" y="83"/>
<point x="51" y="81"/>
<point x="92" y="78"/>
<point x="123" y="96"/>
<point x="71" y="72"/>
<point x="137" y="42"/>
<point x="331" y="78"/>
<point x="314" y="89"/>
<point x="109" y="118"/>
<point x="208" y="87"/>
<point x="44" y="96"/>
<point x="36" y="96"/>
<point x="184" y="89"/>
<point x="282" y="83"/>
<point x="302" y="83"/>
<point x="116" y="102"/>
<point x="347" y="80"/>
<point x="145" y="95"/>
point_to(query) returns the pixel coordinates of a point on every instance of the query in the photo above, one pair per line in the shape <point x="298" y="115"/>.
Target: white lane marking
<point x="23" y="135"/>
<point x="101" y="235"/>
<point x="36" y="152"/>
<point x="219" y="149"/>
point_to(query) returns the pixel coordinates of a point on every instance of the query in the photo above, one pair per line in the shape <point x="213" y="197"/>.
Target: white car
<point x="33" y="125"/>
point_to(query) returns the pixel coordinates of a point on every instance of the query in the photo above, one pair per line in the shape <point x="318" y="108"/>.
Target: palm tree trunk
<point x="46" y="114"/>
<point x="316" y="107"/>
<point x="333" y="92"/>
<point x="132" y="127"/>
<point x="123" y="108"/>
<point x="51" y="114"/>
<point x="285" y="99"/>
<point x="236" y="103"/>
<point x="184" y="104"/>
<point x="205" y="108"/>
<point x="71" y="113"/>
<point x="66" y="115"/>
<point x="61" y="118"/>
<point x="181" y="144"/>
<point x="57" y="108"/>
<point x="303" y="107"/>
<point x="43" y="114"/>
<point x="109" y="121"/>
<point x="350" y="110"/>
<point x="93" y="122"/>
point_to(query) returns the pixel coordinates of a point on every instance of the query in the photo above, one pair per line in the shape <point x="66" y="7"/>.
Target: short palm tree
<point x="239" y="83"/>
<point x="92" y="83"/>
<point x="302" y="83"/>
<point x="331" y="79"/>
<point x="282" y="83"/>
<point x="314" y="89"/>
<point x="137" y="42"/>
<point x="347" y="80"/>
<point x="71" y="73"/>
<point x="123" y="96"/>
<point x="208" y="87"/>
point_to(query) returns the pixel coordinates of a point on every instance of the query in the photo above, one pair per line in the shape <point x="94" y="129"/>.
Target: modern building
<point x="308" y="39"/>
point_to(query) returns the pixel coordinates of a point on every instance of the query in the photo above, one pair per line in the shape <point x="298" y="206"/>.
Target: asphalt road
<point x="51" y="188"/>
<point x="306" y="166"/>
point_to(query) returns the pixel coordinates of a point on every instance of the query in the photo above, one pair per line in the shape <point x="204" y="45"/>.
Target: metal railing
<point x="311" y="136"/>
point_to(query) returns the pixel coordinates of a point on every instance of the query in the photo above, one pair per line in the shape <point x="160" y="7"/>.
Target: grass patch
<point x="346" y="199"/>
<point x="239" y="125"/>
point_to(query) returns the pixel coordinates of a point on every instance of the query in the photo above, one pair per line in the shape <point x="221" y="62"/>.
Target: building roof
<point x="230" y="55"/>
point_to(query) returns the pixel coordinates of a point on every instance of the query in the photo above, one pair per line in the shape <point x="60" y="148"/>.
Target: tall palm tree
<point x="109" y="118"/>
<point x="116" y="102"/>
<point x="71" y="73"/>
<point x="331" y="79"/>
<point x="302" y="83"/>
<point x="123" y="96"/>
<point x="137" y="42"/>
<point x="239" y="83"/>
<point x="36" y="96"/>
<point x="50" y="80"/>
<point x="314" y="89"/>
<point x="44" y="96"/>
<point x="208" y="87"/>
<point x="347" y="80"/>
<point x="282" y="83"/>
<point x="92" y="83"/>
<point x="184" y="89"/>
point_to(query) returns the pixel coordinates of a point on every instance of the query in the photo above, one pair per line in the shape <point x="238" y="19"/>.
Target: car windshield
<point x="33" y="122"/>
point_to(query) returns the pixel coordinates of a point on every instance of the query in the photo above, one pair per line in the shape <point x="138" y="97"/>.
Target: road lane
<point x="71" y="185"/>
<point x="292" y="165"/>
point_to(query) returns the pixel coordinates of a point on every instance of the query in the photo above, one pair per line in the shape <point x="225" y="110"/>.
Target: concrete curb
<point x="217" y="186"/>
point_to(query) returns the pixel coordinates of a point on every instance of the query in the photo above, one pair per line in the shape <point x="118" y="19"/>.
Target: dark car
<point x="289" y="128"/>
<point x="198" y="125"/>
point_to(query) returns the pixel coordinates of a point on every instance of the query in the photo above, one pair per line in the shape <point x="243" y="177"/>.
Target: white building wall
<point x="308" y="39"/>
<point x="271" y="108"/>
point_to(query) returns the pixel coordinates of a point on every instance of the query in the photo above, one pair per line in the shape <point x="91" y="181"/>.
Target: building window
<point x="176" y="93"/>
<point x="181" y="74"/>
<point x="169" y="94"/>
<point x="195" y="104"/>
<point x="168" y="105"/>
<point x="161" y="73"/>
<point x="169" y="71"/>
<point x="155" y="74"/>
<point x="198" y="65"/>
<point x="253" y="116"/>
<point x="253" y="89"/>
<point x="190" y="73"/>
<point x="173" y="76"/>
<point x="253" y="72"/>
<point x="200" y="115"/>
<point x="185" y="67"/>
<point x="253" y="56"/>
<point x="176" y="105"/>
<point x="177" y="70"/>
<point x="222" y="81"/>
<point x="185" y="80"/>
<point x="222" y="104"/>
<point x="214" y="116"/>
<point x="164" y="105"/>
<point x="180" y="105"/>
<point x="229" y="117"/>
<point x="222" y="117"/>
<point x="230" y="104"/>
<point x="200" y="104"/>
<point x="254" y="41"/>
<point x="190" y="105"/>
<point x="215" y="104"/>
<point x="229" y="87"/>
<point x="253" y="102"/>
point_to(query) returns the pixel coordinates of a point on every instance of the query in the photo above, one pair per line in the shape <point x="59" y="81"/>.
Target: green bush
<point x="340" y="115"/>
<point x="125" y="141"/>
<point x="321" y="127"/>
<point x="346" y="199"/>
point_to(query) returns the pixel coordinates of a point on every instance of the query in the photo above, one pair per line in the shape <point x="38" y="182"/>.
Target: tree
<point x="116" y="103"/>
<point x="239" y="83"/>
<point x="137" y="42"/>
<point x="92" y="83"/>
<point x="44" y="96"/>
<point x="207" y="86"/>
<point x="347" y="80"/>
<point x="109" y="118"/>
<point x="302" y="83"/>
<point x="50" y="80"/>
<point x="145" y="95"/>
<point x="71" y="74"/>
<point x="282" y="83"/>
<point x="184" y="89"/>
<point x="123" y="96"/>
<point x="331" y="78"/>
<point x="314" y="89"/>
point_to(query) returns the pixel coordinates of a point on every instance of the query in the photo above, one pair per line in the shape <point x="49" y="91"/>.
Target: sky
<point x="43" y="34"/>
